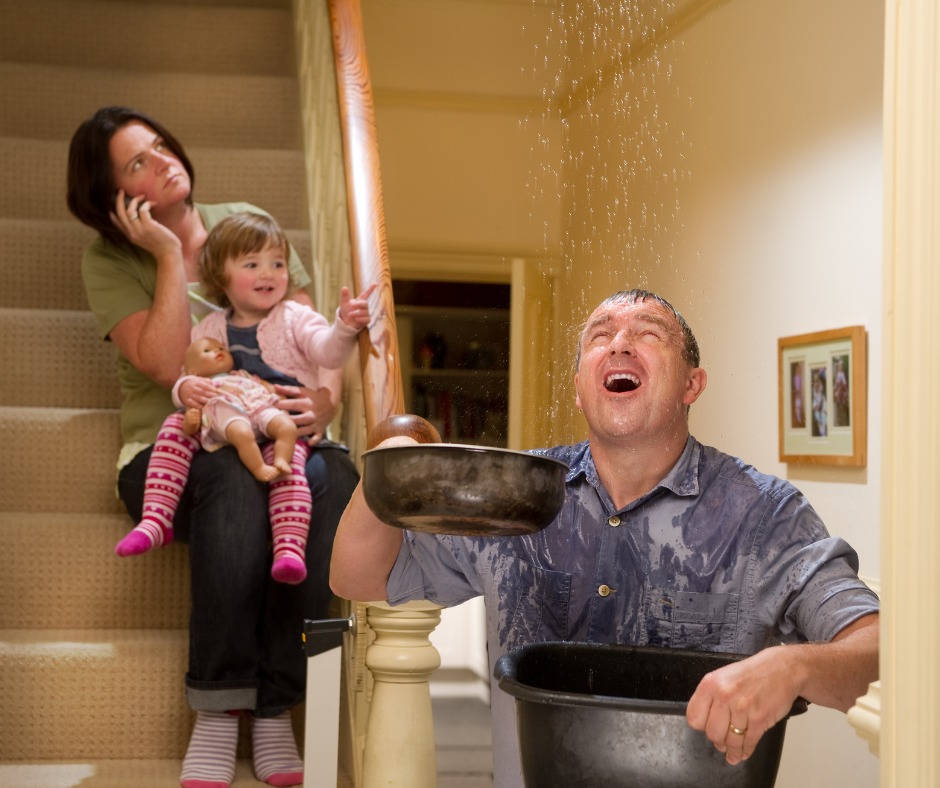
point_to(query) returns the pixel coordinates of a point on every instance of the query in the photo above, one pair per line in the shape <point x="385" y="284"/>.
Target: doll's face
<point x="206" y="357"/>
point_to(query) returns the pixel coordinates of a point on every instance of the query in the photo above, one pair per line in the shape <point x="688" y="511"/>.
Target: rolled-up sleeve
<point x="436" y="568"/>
<point x="810" y="585"/>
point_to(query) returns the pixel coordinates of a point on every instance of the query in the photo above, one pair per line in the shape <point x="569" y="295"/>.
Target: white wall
<point x="753" y="202"/>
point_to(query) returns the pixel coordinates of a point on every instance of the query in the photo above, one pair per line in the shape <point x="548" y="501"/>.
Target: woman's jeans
<point x="245" y="632"/>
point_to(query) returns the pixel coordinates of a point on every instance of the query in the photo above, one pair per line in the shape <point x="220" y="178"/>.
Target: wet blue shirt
<point x="718" y="556"/>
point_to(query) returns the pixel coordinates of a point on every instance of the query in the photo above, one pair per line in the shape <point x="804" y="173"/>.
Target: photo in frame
<point x="823" y="397"/>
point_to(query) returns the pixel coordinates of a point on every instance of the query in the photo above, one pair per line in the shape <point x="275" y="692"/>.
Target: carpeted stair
<point x="93" y="647"/>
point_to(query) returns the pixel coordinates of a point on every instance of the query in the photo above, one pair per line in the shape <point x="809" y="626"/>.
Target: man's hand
<point x="735" y="705"/>
<point x="738" y="703"/>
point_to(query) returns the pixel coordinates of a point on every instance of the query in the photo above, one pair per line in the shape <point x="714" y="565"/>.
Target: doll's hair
<point x="236" y="235"/>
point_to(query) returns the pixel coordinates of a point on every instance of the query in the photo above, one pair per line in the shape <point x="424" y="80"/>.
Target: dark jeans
<point x="245" y="645"/>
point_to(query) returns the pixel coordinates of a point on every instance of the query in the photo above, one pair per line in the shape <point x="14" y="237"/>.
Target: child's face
<point x="256" y="283"/>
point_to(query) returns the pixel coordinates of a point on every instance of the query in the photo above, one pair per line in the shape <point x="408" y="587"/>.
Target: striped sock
<point x="210" y="759"/>
<point x="289" y="512"/>
<point x="167" y="472"/>
<point x="274" y="751"/>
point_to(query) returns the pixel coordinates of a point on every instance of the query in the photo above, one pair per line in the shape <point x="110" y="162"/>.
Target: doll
<point x="241" y="413"/>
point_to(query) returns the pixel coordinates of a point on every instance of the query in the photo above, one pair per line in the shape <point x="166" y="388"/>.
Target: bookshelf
<point x="454" y="349"/>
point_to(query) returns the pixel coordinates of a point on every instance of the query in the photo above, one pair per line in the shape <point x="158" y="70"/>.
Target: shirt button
<point x="604" y="590"/>
<point x="613" y="520"/>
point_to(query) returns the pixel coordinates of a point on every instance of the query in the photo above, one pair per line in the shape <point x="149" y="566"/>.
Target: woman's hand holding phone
<point x="133" y="215"/>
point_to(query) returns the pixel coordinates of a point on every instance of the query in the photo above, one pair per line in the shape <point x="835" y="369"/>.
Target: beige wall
<point x="461" y="137"/>
<point x="736" y="169"/>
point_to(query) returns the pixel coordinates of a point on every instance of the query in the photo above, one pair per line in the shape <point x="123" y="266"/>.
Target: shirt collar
<point x="682" y="479"/>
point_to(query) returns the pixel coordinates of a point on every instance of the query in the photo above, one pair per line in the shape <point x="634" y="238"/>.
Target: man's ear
<point x="695" y="385"/>
<point x="577" y="397"/>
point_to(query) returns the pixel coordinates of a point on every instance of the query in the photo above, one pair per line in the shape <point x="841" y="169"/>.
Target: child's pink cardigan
<point x="293" y="338"/>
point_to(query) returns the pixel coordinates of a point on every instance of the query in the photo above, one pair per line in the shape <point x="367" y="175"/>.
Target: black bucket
<point x="608" y="715"/>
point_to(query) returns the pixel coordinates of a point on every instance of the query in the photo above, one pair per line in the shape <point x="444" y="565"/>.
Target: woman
<point x="129" y="179"/>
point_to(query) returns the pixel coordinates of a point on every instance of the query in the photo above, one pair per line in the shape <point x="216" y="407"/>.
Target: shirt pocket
<point x="533" y="604"/>
<point x="689" y="619"/>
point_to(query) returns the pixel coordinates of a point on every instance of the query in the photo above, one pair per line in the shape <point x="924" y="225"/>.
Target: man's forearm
<point x="838" y="673"/>
<point x="364" y="552"/>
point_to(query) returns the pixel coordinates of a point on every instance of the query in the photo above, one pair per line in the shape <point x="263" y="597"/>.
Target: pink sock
<point x="167" y="473"/>
<point x="289" y="512"/>
<point x="274" y="751"/>
<point x="210" y="758"/>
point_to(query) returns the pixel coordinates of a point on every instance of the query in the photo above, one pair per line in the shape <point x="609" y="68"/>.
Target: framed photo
<point x="823" y="397"/>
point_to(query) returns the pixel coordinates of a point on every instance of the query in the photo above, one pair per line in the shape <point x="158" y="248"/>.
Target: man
<point x="661" y="541"/>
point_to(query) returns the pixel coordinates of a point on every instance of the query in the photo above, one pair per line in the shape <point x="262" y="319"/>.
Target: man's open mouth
<point x="620" y="382"/>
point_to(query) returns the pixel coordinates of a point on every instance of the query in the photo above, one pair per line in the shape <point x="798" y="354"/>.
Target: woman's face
<point x="142" y="165"/>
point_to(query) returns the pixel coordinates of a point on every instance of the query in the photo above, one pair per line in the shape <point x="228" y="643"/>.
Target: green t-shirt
<point x="119" y="283"/>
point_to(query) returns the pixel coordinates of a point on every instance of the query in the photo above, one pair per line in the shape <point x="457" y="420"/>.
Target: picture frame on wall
<point x="823" y="398"/>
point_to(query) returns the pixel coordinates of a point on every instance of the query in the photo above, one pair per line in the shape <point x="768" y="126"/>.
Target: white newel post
<point x="399" y="745"/>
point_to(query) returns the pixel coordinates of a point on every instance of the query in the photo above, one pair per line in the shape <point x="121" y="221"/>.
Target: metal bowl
<point x="449" y="488"/>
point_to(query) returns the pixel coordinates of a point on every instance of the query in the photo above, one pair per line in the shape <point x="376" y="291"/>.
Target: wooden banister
<point x="378" y="348"/>
<point x="402" y="657"/>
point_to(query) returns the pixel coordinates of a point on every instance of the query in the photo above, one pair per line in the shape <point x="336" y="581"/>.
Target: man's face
<point x="632" y="379"/>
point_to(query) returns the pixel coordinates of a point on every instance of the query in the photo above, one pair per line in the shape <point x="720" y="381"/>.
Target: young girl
<point x="243" y="266"/>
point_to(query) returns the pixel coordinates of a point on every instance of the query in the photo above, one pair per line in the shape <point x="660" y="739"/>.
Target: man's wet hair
<point x="690" y="351"/>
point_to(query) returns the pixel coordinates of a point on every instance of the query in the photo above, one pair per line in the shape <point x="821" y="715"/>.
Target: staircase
<point x="93" y="647"/>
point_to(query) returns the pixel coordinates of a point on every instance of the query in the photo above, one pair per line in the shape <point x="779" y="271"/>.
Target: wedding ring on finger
<point x="737" y="731"/>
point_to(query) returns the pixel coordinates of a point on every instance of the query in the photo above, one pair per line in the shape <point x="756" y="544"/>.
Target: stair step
<point x="112" y="774"/>
<point x="59" y="244"/>
<point x="118" y="774"/>
<point x="271" y="179"/>
<point x="93" y="647"/>
<point x="146" y="36"/>
<point x="40" y="101"/>
<point x="42" y="263"/>
<point x="99" y="590"/>
<point x="93" y="694"/>
<point x="58" y="460"/>
<point x="100" y="694"/>
<point x="68" y="364"/>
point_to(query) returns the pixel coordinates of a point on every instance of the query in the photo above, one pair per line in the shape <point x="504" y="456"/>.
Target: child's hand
<point x="195" y="392"/>
<point x="355" y="311"/>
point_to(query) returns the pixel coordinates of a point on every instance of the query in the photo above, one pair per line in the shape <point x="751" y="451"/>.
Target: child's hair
<point x="236" y="235"/>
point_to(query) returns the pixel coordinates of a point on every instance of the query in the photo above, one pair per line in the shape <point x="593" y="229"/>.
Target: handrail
<point x="402" y="657"/>
<point x="378" y="348"/>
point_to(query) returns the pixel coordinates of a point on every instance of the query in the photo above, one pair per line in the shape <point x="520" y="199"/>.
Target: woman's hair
<point x="236" y="235"/>
<point x="91" y="191"/>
